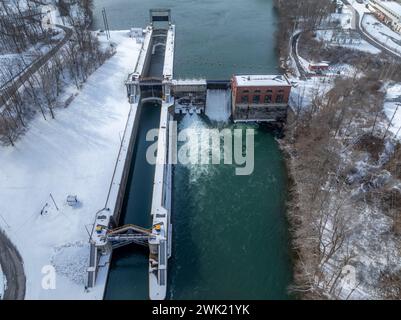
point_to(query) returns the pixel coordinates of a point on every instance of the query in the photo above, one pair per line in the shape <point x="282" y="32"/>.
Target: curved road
<point x="358" y="23"/>
<point x="303" y="74"/>
<point x="13" y="268"/>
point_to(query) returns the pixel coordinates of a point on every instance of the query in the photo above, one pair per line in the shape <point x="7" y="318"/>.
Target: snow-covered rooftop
<point x="262" y="80"/>
<point x="391" y="6"/>
<point x="190" y="82"/>
<point x="169" y="54"/>
<point x="142" y="56"/>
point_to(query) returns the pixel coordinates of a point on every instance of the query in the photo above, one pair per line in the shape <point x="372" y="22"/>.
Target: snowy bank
<point x="393" y="98"/>
<point x="334" y="38"/>
<point x="74" y="154"/>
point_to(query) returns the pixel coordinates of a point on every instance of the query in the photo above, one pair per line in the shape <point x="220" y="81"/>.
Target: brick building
<point x="260" y="98"/>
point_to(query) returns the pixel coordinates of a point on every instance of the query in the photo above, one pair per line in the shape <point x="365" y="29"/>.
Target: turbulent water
<point x="218" y="105"/>
<point x="230" y="235"/>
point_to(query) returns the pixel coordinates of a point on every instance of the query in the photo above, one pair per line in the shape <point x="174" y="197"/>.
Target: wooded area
<point x="36" y="88"/>
<point x="344" y="168"/>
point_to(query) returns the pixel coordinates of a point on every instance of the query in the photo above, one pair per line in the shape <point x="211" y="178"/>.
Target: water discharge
<point x="230" y="239"/>
<point x="218" y="105"/>
<point x="196" y="126"/>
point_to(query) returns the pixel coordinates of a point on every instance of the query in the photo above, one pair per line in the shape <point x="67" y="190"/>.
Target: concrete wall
<point x="127" y="165"/>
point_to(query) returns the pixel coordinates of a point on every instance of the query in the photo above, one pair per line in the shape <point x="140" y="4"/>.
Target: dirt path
<point x="13" y="268"/>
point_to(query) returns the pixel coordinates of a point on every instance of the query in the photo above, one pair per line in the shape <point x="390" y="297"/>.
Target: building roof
<point x="391" y="6"/>
<point x="261" y="80"/>
<point x="319" y="64"/>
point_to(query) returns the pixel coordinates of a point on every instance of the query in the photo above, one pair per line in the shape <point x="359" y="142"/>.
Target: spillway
<point x="218" y="105"/>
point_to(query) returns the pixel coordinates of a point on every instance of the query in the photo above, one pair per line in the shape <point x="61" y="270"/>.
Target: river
<point x="230" y="236"/>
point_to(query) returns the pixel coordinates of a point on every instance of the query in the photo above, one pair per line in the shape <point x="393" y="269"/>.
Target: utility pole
<point x="391" y="121"/>
<point x="54" y="201"/>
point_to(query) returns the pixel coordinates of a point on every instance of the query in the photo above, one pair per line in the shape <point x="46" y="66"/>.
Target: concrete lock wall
<point x="127" y="165"/>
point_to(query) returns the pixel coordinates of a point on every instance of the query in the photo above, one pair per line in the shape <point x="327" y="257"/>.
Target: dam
<point x="198" y="267"/>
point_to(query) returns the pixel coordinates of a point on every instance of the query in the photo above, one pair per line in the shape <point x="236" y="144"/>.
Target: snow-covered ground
<point x="393" y="98"/>
<point x="340" y="69"/>
<point x="381" y="33"/>
<point x="12" y="64"/>
<point x="360" y="7"/>
<point x="305" y="91"/>
<point x="345" y="17"/>
<point x="336" y="39"/>
<point x="74" y="154"/>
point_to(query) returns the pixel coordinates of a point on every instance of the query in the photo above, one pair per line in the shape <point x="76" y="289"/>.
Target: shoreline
<point x="290" y="205"/>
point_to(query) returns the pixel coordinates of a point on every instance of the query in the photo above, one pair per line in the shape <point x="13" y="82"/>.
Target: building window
<point x="269" y="91"/>
<point x="256" y="99"/>
<point x="245" y="91"/>
<point x="279" y="98"/>
<point x="257" y="91"/>
<point x="244" y="99"/>
<point x="268" y="99"/>
<point x="281" y="91"/>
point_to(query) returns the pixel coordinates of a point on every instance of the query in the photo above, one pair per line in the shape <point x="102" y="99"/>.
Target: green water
<point x="215" y="38"/>
<point x="128" y="276"/>
<point x="230" y="236"/>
